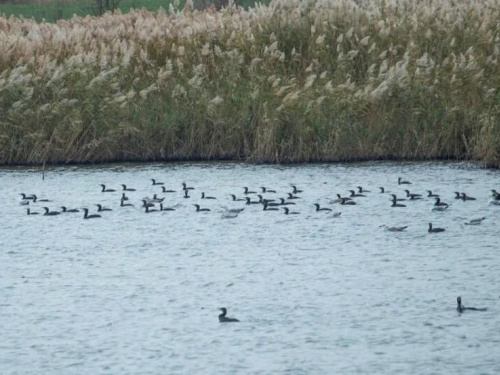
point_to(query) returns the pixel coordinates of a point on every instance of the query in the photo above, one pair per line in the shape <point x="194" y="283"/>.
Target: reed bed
<point x="293" y="81"/>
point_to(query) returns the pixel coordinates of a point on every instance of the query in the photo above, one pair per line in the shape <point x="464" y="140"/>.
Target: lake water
<point x="136" y="293"/>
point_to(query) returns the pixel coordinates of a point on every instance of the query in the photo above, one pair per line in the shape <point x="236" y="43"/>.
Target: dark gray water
<point x="136" y="293"/>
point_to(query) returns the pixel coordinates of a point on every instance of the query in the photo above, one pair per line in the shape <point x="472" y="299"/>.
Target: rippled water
<point x="138" y="293"/>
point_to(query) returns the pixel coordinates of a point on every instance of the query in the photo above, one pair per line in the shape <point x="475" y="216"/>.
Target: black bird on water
<point x="87" y="216"/>
<point x="318" y="208"/>
<point x="246" y="191"/>
<point x="165" y="190"/>
<point x="64" y="209"/>
<point x="461" y="308"/>
<point x="104" y="190"/>
<point x="198" y="209"/>
<point x="267" y="190"/>
<point x="434" y="230"/>
<point x="203" y="196"/>
<point x="155" y="182"/>
<point x="50" y="213"/>
<point x="403" y="182"/>
<point x="224" y="319"/>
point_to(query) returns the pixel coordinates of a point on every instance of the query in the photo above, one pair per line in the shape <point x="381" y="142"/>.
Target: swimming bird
<point x="35" y="199"/>
<point x="403" y="182"/>
<point x="461" y="308"/>
<point x="166" y="208"/>
<point x="155" y="182"/>
<point x="224" y="319"/>
<point x="246" y="191"/>
<point x="288" y="212"/>
<point x="457" y="195"/>
<point x="495" y="194"/>
<point x="157" y="199"/>
<point x="291" y="196"/>
<point x="318" y="208"/>
<point x="269" y="202"/>
<point x="382" y="190"/>
<point x="50" y="213"/>
<point x="395" y="198"/>
<point x="149" y="210"/>
<point x="267" y="190"/>
<point x="396" y="204"/>
<point x="339" y="199"/>
<point x="249" y="201"/>
<point x="439" y="208"/>
<point x="475" y="221"/>
<point x="345" y="202"/>
<point x="237" y="199"/>
<point x="27" y="197"/>
<point x="30" y="212"/>
<point x="87" y="216"/>
<point x="413" y="196"/>
<point x="268" y="208"/>
<point x="185" y="187"/>
<point x="361" y="190"/>
<point x="198" y="209"/>
<point x="203" y="196"/>
<point x="101" y="208"/>
<point x="104" y="190"/>
<point x="232" y="210"/>
<point x="124" y="197"/>
<point x="165" y="190"/>
<point x="146" y="203"/>
<point x="262" y="200"/>
<point x="393" y="229"/>
<point x="186" y="193"/>
<point x="284" y="203"/>
<point x="229" y="215"/>
<point x="465" y="197"/>
<point x="354" y="194"/>
<point x="431" y="195"/>
<point x="123" y="204"/>
<point x="125" y="188"/>
<point x="295" y="190"/>
<point x="64" y="209"/>
<point x="438" y="203"/>
<point x="434" y="230"/>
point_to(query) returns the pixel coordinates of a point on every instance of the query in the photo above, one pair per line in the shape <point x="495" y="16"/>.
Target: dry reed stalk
<point x="298" y="80"/>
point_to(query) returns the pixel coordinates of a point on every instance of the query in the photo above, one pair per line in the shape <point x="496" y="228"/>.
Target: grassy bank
<point x="292" y="81"/>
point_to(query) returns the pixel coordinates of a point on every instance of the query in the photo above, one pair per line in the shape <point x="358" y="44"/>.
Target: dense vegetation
<point x="292" y="81"/>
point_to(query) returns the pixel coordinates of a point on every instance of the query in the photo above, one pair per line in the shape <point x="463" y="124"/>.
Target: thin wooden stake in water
<point x="43" y="171"/>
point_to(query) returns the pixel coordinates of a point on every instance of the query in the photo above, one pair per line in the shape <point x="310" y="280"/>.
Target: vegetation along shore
<point x="292" y="81"/>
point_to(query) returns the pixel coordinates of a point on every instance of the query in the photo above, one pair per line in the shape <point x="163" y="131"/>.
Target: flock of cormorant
<point x="262" y="198"/>
<point x="256" y="198"/>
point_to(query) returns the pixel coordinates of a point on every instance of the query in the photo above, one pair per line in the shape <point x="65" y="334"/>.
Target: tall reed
<point x="294" y="81"/>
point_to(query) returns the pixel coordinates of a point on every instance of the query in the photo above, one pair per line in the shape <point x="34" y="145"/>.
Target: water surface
<point x="136" y="293"/>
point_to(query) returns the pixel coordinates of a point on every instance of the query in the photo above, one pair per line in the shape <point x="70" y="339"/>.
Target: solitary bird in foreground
<point x="434" y="230"/>
<point x="461" y="308"/>
<point x="224" y="319"/>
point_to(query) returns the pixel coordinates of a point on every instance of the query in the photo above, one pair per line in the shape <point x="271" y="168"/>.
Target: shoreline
<point x="471" y="163"/>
